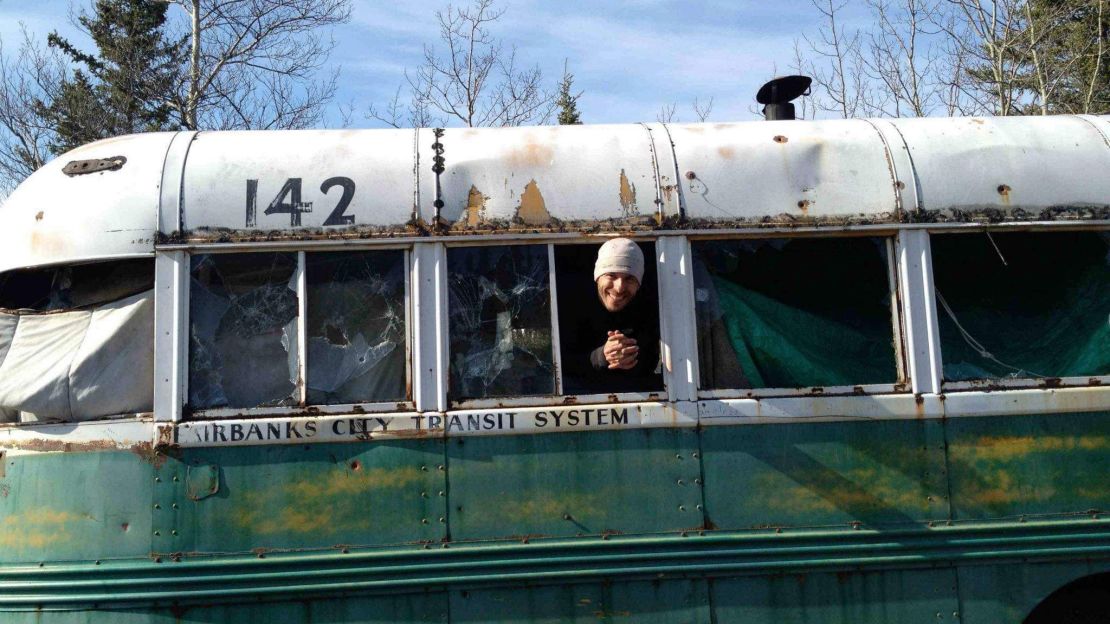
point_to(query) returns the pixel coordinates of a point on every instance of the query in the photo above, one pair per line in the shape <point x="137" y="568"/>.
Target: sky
<point x="629" y="59"/>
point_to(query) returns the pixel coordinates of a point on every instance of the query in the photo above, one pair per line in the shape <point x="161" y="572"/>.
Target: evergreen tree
<point x="566" y="102"/>
<point x="1075" y="54"/>
<point x="126" y="86"/>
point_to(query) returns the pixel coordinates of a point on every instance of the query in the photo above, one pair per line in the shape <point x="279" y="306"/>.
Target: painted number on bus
<point x="288" y="201"/>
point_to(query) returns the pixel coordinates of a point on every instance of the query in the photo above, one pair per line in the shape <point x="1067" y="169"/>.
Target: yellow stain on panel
<point x="1009" y="448"/>
<point x="862" y="488"/>
<point x="532" y="154"/>
<point x="37" y="527"/>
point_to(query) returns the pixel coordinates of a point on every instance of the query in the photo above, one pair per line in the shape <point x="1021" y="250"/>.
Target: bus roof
<point x="119" y="197"/>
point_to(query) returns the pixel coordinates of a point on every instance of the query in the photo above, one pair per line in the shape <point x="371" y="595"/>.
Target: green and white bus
<point x="323" y="376"/>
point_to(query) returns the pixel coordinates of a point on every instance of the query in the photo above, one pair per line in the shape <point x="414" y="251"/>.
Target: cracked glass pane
<point x="499" y="322"/>
<point x="243" y="330"/>
<point x="356" y="327"/>
<point x="1023" y="304"/>
<point x="789" y="313"/>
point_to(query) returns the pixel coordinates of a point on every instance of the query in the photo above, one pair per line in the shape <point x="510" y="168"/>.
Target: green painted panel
<point x="311" y="496"/>
<point x="75" y="506"/>
<point x="1007" y="593"/>
<point x="819" y="474"/>
<point x="1013" y="465"/>
<point x="422" y="608"/>
<point x="652" y="602"/>
<point x="902" y="596"/>
<point x="567" y="484"/>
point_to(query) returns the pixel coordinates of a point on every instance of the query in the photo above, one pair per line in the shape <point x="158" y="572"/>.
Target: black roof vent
<point x="777" y="93"/>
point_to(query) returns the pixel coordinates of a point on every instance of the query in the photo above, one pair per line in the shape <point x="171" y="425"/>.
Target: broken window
<point x="499" y="322"/>
<point x="243" y="330"/>
<point x="75" y="286"/>
<point x="356" y="327"/>
<point x="1023" y="304"/>
<point x="787" y="313"/>
<point x="77" y="341"/>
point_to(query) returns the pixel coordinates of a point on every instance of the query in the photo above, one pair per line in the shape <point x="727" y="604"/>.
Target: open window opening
<point x="585" y="325"/>
<point x="77" y="342"/>
<point x="794" y="313"/>
<point x="1023" y="305"/>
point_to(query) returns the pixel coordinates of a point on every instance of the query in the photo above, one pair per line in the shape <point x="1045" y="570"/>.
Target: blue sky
<point x="629" y="58"/>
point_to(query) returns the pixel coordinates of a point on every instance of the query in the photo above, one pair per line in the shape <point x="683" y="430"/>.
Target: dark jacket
<point x="583" y="336"/>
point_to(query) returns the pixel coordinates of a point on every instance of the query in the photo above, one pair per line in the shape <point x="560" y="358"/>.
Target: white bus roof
<point x="186" y="187"/>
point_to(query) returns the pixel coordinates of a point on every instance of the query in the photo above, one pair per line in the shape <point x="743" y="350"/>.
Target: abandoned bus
<point x="331" y="376"/>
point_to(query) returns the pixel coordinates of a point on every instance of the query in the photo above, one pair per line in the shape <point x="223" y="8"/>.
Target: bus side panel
<point x="1008" y="592"/>
<point x="568" y="484"/>
<point x="76" y="506"/>
<point x="310" y="496"/>
<point x="820" y="474"/>
<point x="903" y="596"/>
<point x="1007" y="466"/>
<point x="415" y="608"/>
<point x="683" y="601"/>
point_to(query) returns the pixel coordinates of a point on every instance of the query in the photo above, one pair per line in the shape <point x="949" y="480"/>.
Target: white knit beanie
<point x="620" y="255"/>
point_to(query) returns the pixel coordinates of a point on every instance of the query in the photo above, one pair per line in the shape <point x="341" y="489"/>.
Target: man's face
<point x="616" y="290"/>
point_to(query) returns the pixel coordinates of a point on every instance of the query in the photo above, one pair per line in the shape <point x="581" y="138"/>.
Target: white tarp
<point x="78" y="365"/>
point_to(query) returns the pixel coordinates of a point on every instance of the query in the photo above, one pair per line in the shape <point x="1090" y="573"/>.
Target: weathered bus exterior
<point x="242" y="476"/>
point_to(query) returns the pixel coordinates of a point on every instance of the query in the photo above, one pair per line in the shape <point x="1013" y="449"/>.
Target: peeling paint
<point x="627" y="196"/>
<point x="533" y="209"/>
<point x="475" y="212"/>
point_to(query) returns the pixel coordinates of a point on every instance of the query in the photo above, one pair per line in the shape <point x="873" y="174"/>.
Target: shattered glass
<point x="790" y="313"/>
<point x="1023" y="304"/>
<point x="243" y="330"/>
<point x="499" y="322"/>
<point x="356" y="327"/>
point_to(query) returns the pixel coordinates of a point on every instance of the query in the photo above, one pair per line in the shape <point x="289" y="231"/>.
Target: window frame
<point x="1016" y="383"/>
<point x="407" y="404"/>
<point x="903" y="379"/>
<point x="559" y="398"/>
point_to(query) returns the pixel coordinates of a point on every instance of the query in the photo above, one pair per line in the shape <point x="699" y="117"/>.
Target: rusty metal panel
<point x="547" y="177"/>
<point x="74" y="506"/>
<point x="243" y="183"/>
<point x="903" y="596"/>
<point x="1028" y="465"/>
<point x="302" y="497"/>
<point x="1020" y="168"/>
<point x="569" y="484"/>
<point x="784" y="172"/>
<point x="684" y="601"/>
<point x="53" y="217"/>
<point x="879" y="473"/>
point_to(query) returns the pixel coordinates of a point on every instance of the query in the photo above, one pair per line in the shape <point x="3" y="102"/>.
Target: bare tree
<point x="666" y="113"/>
<point x="475" y="80"/>
<point x="29" y="77"/>
<point x="991" y="43"/>
<point x="702" y="109"/>
<point x="843" y="78"/>
<point x="255" y="63"/>
<point x="899" y="58"/>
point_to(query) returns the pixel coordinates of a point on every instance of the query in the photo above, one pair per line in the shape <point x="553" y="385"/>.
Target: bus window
<point x="1023" y="304"/>
<point x="789" y="313"/>
<point x="584" y="325"/>
<point x="499" y="322"/>
<point x="243" y="330"/>
<point x="356" y="327"/>
<point x="76" y="342"/>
